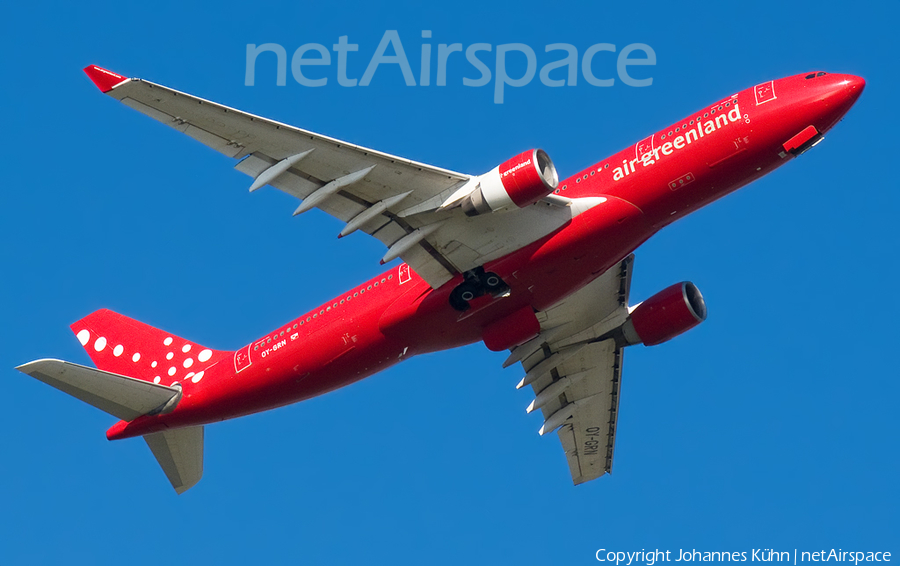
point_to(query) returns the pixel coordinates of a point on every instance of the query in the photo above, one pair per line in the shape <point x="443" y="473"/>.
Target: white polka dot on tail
<point x="197" y="377"/>
<point x="156" y="379"/>
<point x="136" y="357"/>
<point x="83" y="336"/>
<point x="186" y="348"/>
<point x="153" y="365"/>
<point x="117" y="351"/>
<point x="205" y="355"/>
<point x="171" y="371"/>
<point x="100" y="343"/>
<point x="170" y="355"/>
<point x="168" y="341"/>
<point x="188" y="363"/>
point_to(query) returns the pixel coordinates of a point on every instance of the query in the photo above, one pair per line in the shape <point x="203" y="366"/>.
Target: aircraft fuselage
<point x="397" y="315"/>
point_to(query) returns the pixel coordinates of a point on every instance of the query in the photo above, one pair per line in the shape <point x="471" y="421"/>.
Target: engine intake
<point x="665" y="315"/>
<point x="520" y="181"/>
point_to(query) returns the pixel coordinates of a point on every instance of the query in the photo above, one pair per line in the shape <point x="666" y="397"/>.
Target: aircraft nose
<point x="848" y="88"/>
<point x="837" y="95"/>
<point x="852" y="87"/>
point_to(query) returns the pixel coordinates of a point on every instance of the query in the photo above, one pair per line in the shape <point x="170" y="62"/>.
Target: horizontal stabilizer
<point x="123" y="397"/>
<point x="180" y="454"/>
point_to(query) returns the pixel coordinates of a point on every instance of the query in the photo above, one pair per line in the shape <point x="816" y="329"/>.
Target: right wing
<point x="394" y="199"/>
<point x="575" y="370"/>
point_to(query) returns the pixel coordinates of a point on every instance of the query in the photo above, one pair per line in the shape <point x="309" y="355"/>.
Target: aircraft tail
<point x="179" y="452"/>
<point x="126" y="346"/>
<point x="120" y="396"/>
<point x="141" y="369"/>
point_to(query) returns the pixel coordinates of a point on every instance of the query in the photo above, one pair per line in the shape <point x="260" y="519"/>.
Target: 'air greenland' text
<point x="702" y="129"/>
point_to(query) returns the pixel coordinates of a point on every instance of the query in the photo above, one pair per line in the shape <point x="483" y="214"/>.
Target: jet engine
<point x="520" y="181"/>
<point x="665" y="315"/>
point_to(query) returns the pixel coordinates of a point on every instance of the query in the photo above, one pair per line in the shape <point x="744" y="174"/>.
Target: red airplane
<point x="513" y="257"/>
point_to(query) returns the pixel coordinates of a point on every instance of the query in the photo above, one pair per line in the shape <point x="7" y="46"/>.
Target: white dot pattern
<point x="187" y="361"/>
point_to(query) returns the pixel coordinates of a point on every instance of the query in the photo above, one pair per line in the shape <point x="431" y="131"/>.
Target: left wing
<point x="575" y="370"/>
<point x="394" y="199"/>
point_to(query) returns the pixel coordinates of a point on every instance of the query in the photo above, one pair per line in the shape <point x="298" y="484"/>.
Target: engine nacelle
<point x="665" y="315"/>
<point x="520" y="181"/>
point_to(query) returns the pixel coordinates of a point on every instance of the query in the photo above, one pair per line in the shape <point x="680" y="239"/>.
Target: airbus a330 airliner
<point x="515" y="258"/>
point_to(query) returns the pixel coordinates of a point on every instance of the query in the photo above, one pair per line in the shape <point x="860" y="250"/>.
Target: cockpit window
<point x="814" y="75"/>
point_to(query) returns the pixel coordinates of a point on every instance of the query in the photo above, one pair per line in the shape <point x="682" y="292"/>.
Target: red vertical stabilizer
<point x="122" y="345"/>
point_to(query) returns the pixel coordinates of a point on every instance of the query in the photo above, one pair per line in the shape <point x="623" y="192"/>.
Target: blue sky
<point x="772" y="425"/>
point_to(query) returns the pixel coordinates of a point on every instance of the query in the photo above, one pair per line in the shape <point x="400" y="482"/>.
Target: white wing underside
<point x="397" y="201"/>
<point x="577" y="375"/>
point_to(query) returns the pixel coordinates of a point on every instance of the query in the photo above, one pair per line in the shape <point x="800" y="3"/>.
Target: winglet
<point x="105" y="80"/>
